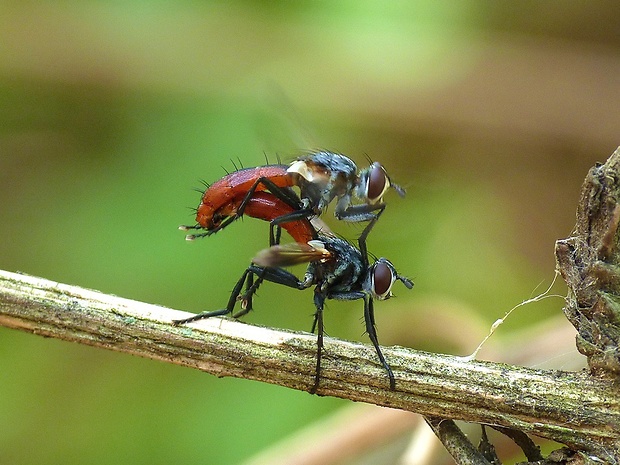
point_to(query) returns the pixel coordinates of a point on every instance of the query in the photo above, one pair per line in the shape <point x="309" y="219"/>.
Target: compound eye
<point x="383" y="278"/>
<point x="378" y="183"/>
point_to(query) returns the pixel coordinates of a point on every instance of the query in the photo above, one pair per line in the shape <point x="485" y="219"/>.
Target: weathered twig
<point x="571" y="408"/>
<point x="455" y="442"/>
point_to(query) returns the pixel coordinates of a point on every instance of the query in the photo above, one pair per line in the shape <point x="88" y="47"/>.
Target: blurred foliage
<point x="113" y="111"/>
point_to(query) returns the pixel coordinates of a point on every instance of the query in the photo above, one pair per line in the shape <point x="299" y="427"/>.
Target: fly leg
<point x="355" y="213"/>
<point x="281" y="276"/>
<point x="224" y="311"/>
<point x="274" y="275"/>
<point x="246" y="299"/>
<point x="362" y="239"/>
<point x="371" y="329"/>
<point x="365" y="212"/>
<point x="369" y="318"/>
<point x="285" y="194"/>
<point x="275" y="224"/>
<point x="319" y="300"/>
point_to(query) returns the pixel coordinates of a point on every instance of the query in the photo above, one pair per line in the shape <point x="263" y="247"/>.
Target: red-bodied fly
<point x="321" y="177"/>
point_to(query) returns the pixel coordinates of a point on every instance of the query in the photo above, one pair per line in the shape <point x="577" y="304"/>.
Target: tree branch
<point x="456" y="443"/>
<point x="572" y="408"/>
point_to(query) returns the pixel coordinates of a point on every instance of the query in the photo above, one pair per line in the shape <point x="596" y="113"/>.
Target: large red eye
<point x="382" y="279"/>
<point x="377" y="182"/>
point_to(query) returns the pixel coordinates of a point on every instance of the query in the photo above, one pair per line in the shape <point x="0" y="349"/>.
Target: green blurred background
<point x="489" y="113"/>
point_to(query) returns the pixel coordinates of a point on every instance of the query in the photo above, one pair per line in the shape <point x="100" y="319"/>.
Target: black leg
<point x="224" y="311"/>
<point x="356" y="213"/>
<point x="362" y="239"/>
<point x="222" y="225"/>
<point x="274" y="275"/>
<point x="369" y="318"/>
<point x="293" y="216"/>
<point x="319" y="300"/>
<point x="246" y="299"/>
<point x="201" y="316"/>
<point x="278" y="276"/>
<point x="287" y="195"/>
<point x="252" y="287"/>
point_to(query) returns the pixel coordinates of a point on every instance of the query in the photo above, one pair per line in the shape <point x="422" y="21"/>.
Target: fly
<point x="321" y="178"/>
<point x="336" y="269"/>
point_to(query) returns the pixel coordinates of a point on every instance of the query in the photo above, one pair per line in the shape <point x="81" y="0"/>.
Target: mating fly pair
<point x="337" y="269"/>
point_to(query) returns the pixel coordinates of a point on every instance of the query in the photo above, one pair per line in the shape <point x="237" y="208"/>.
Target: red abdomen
<point x="266" y="206"/>
<point x="223" y="197"/>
